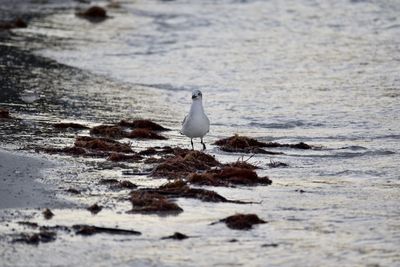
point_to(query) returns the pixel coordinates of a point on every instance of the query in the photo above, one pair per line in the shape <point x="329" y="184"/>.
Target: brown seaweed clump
<point x="176" y="236"/>
<point x="151" y="202"/>
<point x="4" y="113"/>
<point x="110" y="131"/>
<point x="34" y="239"/>
<point x="71" y="125"/>
<point x="144" y="133"/>
<point x="93" y="12"/>
<point x="83" y="229"/>
<point x="228" y="176"/>
<point x="245" y="144"/>
<point x="16" y="23"/>
<point x="183" y="163"/>
<point x="143" y="124"/>
<point x="102" y="144"/>
<point x="48" y="214"/>
<point x="117" y="131"/>
<point x="180" y="189"/>
<point x="242" y="221"/>
<point x="95" y="208"/>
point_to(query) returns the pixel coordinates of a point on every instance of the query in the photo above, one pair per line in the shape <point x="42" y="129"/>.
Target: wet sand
<point x="20" y="185"/>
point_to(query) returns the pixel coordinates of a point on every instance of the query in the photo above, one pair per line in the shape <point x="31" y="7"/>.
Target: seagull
<point x="196" y="124"/>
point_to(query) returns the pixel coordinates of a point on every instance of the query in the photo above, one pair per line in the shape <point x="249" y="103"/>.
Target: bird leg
<point x="191" y="141"/>
<point x="204" y="146"/>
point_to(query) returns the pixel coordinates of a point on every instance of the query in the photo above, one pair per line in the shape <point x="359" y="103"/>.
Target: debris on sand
<point x="277" y="164"/>
<point x="245" y="144"/>
<point x="242" y="221"/>
<point x="102" y="144"/>
<point x="143" y="124"/>
<point x="83" y="229"/>
<point x="151" y="202"/>
<point x="4" y="113"/>
<point x="71" y="125"/>
<point x="300" y="145"/>
<point x="180" y="189"/>
<point x="144" y="134"/>
<point x="115" y="184"/>
<point x="93" y="12"/>
<point x="73" y="191"/>
<point x="48" y="214"/>
<point x="36" y="238"/>
<point x="242" y="165"/>
<point x="228" y="176"/>
<point x="29" y="224"/>
<point x="240" y="142"/>
<point x="176" y="236"/>
<point x="110" y="131"/>
<point x="183" y="163"/>
<point x="95" y="208"/>
<point x="16" y="23"/>
<point x="117" y="132"/>
<point x="116" y="157"/>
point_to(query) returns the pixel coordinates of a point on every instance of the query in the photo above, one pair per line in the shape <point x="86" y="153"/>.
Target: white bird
<point x="196" y="124"/>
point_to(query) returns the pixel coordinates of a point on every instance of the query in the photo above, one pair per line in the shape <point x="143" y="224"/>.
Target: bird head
<point x="196" y="94"/>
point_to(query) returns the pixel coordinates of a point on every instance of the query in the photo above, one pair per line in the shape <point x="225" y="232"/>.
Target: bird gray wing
<point x="184" y="119"/>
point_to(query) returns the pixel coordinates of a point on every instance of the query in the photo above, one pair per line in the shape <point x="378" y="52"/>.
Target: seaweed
<point x="143" y="124"/>
<point x="144" y="133"/>
<point x="36" y="238"/>
<point x="180" y="189"/>
<point x="110" y="131"/>
<point x="228" y="176"/>
<point x="244" y="144"/>
<point x="176" y="236"/>
<point x="73" y="191"/>
<point x="151" y="202"/>
<point x="95" y="208"/>
<point x="48" y="214"/>
<point x="183" y="163"/>
<point x="4" y="113"/>
<point x="87" y="230"/>
<point x="16" y="23"/>
<point x="102" y="144"/>
<point x="242" y="221"/>
<point x="93" y="13"/>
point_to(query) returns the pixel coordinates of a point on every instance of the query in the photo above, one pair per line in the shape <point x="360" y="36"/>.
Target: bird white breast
<point x="196" y="123"/>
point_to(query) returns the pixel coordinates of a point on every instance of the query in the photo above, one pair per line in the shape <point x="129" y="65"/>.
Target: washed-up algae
<point x="242" y="221"/>
<point x="228" y="176"/>
<point x="180" y="189"/>
<point x="87" y="230"/>
<point x="183" y="163"/>
<point x="152" y="202"/>
<point x="143" y="124"/>
<point x="102" y="144"/>
<point x="245" y="144"/>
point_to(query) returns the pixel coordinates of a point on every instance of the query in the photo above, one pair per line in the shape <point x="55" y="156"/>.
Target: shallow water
<point x="313" y="71"/>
